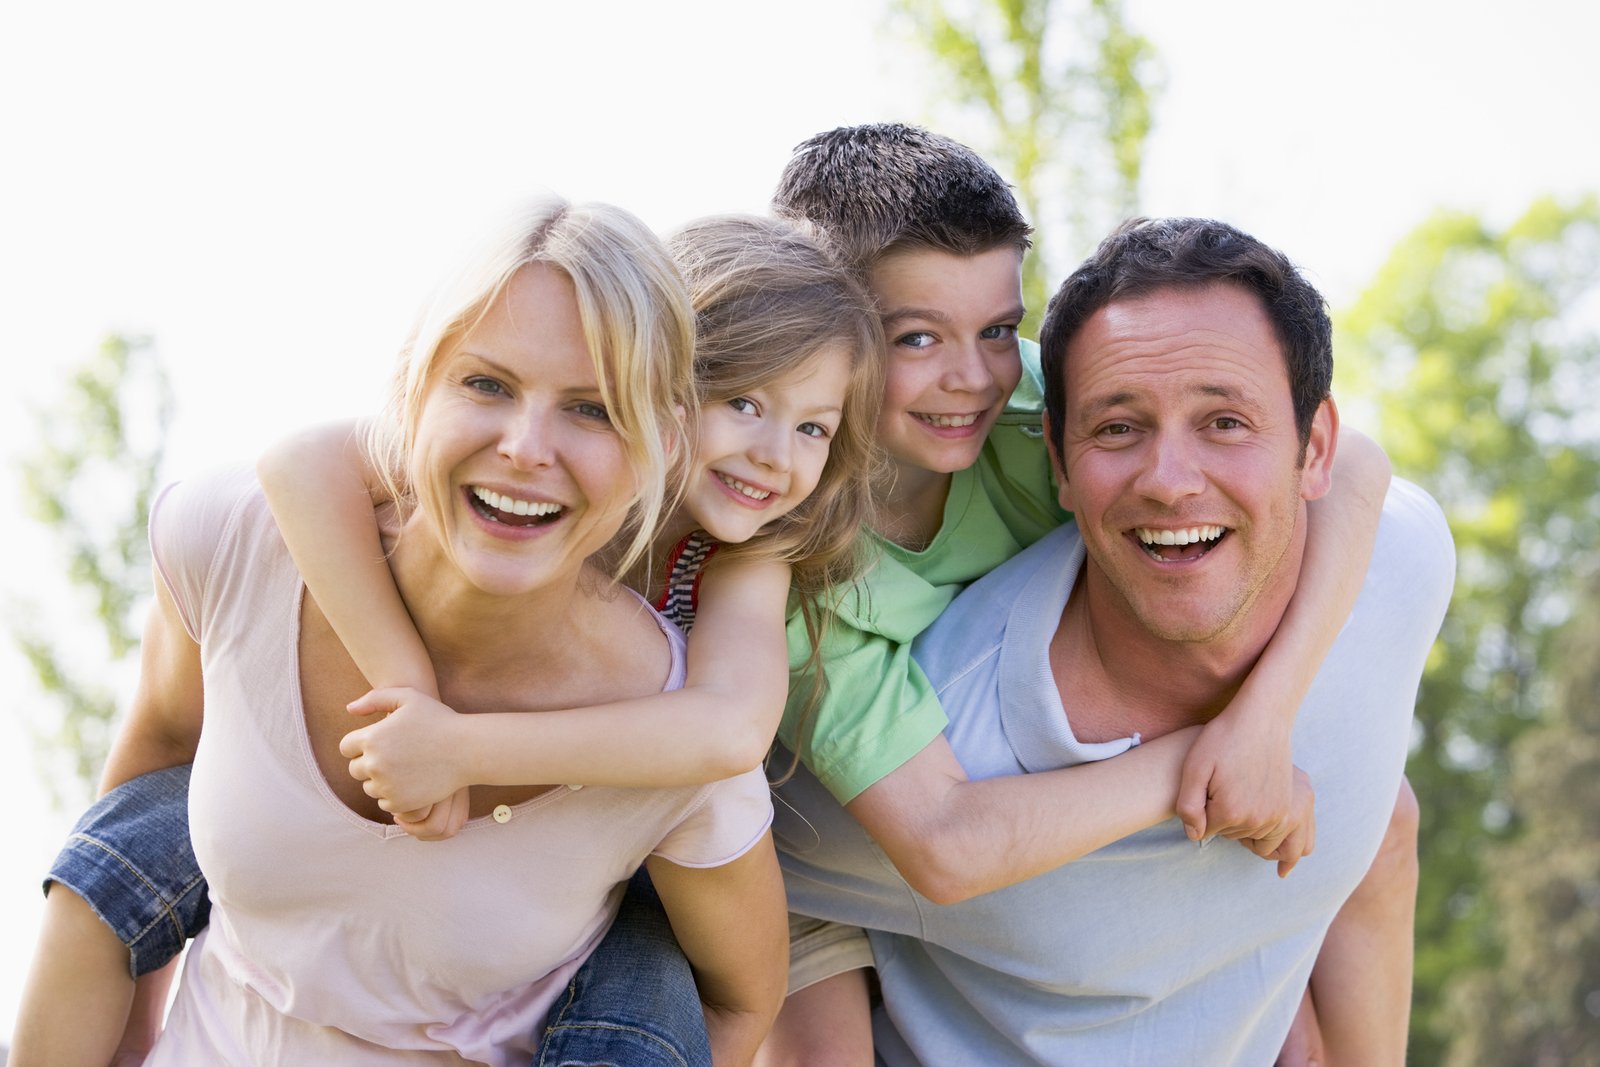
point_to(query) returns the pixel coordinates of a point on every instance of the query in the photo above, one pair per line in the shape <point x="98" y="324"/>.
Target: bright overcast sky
<point x="268" y="194"/>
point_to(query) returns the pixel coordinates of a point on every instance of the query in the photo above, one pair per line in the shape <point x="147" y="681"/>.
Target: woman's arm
<point x="1237" y="778"/>
<point x="322" y="492"/>
<point x="719" y="724"/>
<point x="741" y="965"/>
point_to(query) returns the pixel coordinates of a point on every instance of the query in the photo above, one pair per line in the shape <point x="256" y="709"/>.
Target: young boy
<point x="938" y="237"/>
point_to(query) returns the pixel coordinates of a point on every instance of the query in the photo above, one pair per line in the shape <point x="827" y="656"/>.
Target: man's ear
<point x="1057" y="468"/>
<point x="1316" y="472"/>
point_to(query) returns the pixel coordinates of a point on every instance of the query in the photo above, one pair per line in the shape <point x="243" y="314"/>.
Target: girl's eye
<point x="590" y="410"/>
<point x="743" y="405"/>
<point x="479" y="383"/>
<point x="999" y="333"/>
<point x="915" y="339"/>
<point x="813" y="429"/>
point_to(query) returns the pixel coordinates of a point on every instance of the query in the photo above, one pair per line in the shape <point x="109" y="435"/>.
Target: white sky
<point x="268" y="191"/>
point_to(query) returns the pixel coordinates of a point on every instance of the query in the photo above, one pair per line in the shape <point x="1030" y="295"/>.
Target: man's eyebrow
<point x="1115" y="400"/>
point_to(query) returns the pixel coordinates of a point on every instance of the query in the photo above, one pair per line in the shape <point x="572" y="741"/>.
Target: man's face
<point x="1183" y="465"/>
<point x="951" y="323"/>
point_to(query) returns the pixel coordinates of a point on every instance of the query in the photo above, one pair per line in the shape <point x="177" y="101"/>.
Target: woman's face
<point x="517" y="467"/>
<point x="760" y="454"/>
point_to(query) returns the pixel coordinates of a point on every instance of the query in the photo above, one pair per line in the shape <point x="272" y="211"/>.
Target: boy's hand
<point x="1238" y="781"/>
<point x="405" y="760"/>
<point x="1297" y="843"/>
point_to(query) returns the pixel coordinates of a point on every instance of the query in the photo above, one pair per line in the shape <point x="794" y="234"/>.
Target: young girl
<point x="788" y="374"/>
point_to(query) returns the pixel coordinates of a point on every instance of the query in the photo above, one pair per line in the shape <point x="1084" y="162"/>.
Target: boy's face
<point x="951" y="323"/>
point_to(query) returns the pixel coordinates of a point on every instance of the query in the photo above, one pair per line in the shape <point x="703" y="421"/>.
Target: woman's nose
<point x="527" y="442"/>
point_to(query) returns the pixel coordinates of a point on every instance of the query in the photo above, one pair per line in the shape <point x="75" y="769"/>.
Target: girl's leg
<point x="633" y="1001"/>
<point x="1361" y="984"/>
<point x="123" y="897"/>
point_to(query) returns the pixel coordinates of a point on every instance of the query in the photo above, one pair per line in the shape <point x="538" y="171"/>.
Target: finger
<point x="377" y="701"/>
<point x="1193" y="789"/>
<point x="352" y="745"/>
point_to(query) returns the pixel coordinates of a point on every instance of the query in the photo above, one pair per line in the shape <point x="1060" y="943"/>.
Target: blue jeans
<point x="633" y="1002"/>
<point x="129" y="858"/>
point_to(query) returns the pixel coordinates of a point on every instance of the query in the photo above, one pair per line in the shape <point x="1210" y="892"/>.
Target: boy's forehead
<point x="922" y="280"/>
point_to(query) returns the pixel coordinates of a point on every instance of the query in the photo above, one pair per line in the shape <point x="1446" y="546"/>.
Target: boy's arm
<point x="1237" y="780"/>
<point x="953" y="839"/>
<point x="740" y="968"/>
<point x="322" y="492"/>
<point x="163" y="725"/>
<point x="719" y="724"/>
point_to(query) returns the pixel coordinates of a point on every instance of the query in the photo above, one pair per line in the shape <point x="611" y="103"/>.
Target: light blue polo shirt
<point x="1151" y="950"/>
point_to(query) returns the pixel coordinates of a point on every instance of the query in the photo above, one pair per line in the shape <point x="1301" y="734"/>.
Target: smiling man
<point x="1187" y="371"/>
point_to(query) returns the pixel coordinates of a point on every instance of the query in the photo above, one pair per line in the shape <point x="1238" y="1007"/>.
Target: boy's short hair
<point x="885" y="187"/>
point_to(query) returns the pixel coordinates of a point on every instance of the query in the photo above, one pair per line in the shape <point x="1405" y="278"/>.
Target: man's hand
<point x="1238" y="781"/>
<point x="405" y="761"/>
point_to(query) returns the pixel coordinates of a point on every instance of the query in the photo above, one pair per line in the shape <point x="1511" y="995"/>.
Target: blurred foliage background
<point x="1475" y="348"/>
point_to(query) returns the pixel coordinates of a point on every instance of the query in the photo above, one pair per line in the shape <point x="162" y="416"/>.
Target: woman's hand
<point x="405" y="760"/>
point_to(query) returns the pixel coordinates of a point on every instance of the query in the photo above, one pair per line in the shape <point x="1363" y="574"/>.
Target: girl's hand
<point x="1297" y="842"/>
<point x="405" y="760"/>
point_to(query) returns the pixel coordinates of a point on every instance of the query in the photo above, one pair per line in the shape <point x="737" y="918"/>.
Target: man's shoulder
<point x="1414" y="559"/>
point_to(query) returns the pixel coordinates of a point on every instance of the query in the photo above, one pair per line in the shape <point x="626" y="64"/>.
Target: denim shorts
<point x="633" y="1001"/>
<point x="130" y="859"/>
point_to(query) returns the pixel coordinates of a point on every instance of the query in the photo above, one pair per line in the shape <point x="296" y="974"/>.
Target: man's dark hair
<point x="885" y="187"/>
<point x="1145" y="255"/>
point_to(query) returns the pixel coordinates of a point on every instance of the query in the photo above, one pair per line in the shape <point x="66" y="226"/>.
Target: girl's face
<point x="516" y="464"/>
<point x="761" y="453"/>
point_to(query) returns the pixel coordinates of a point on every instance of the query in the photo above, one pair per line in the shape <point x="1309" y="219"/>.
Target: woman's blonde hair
<point x="637" y="321"/>
<point x="769" y="297"/>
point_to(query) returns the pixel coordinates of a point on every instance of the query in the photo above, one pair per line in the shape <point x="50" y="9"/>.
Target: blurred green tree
<point x="1481" y="348"/>
<point x="89" y="480"/>
<point x="1540" y="1005"/>
<point x="1052" y="110"/>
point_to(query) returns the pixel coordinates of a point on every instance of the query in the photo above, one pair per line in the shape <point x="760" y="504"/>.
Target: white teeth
<point x="949" y="420"/>
<point x="1179" y="537"/>
<point x="748" y="490"/>
<point x="512" y="505"/>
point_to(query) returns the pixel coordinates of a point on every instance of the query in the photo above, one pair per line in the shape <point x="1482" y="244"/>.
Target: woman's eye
<point x="999" y="333"/>
<point x="479" y="383"/>
<point x="590" y="410"/>
<point x="743" y="405"/>
<point x="915" y="339"/>
<point x="813" y="429"/>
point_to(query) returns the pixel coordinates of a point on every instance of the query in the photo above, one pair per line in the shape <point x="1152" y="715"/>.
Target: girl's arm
<point x="740" y="968"/>
<point x="1237" y="777"/>
<point x="719" y="724"/>
<point x="322" y="491"/>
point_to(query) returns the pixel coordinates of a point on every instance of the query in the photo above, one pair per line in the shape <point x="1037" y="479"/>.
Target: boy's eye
<point x="482" y="384"/>
<point x="999" y="332"/>
<point x="813" y="429"/>
<point x="915" y="339"/>
<point x="743" y="405"/>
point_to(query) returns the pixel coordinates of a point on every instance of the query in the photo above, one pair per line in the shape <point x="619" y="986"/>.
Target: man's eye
<point x="1116" y="429"/>
<point x="915" y="339"/>
<point x="743" y="405"/>
<point x="1227" y="422"/>
<point x="482" y="384"/>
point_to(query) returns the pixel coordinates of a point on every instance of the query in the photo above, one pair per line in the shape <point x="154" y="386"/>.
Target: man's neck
<point x="1116" y="678"/>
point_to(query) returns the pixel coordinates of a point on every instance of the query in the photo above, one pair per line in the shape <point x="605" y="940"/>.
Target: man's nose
<point x="1172" y="468"/>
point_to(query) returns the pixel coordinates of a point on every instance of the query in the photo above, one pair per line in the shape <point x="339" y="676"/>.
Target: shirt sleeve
<point x="878" y="709"/>
<point x="189" y="521"/>
<point x="727" y="820"/>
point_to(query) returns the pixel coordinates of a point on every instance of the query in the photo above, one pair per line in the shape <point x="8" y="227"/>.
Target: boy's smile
<point x="951" y="324"/>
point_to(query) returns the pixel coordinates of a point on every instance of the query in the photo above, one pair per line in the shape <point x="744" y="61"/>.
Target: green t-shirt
<point x="879" y="709"/>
